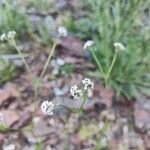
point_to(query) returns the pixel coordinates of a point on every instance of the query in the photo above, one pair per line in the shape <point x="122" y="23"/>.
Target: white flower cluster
<point x="76" y="92"/>
<point x="88" y="44"/>
<point x="62" y="31"/>
<point x="47" y="107"/>
<point x="119" y="46"/>
<point x="9" y="36"/>
<point x="88" y="86"/>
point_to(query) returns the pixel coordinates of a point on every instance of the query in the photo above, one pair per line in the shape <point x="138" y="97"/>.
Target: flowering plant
<point x="77" y="93"/>
<point x="105" y="74"/>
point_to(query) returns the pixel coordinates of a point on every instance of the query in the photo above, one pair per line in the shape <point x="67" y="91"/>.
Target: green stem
<point x="112" y="64"/>
<point x="36" y="91"/>
<point x="21" y="55"/>
<point x="84" y="99"/>
<point x="98" y="63"/>
<point x="106" y="83"/>
<point x="49" y="58"/>
<point x="110" y="69"/>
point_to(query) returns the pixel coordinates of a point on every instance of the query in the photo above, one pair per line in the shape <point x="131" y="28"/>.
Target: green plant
<point x="12" y="18"/>
<point x="113" y="21"/>
<point x="40" y="5"/>
<point x="3" y="128"/>
<point x="7" y="71"/>
<point x="67" y="69"/>
<point x="44" y="33"/>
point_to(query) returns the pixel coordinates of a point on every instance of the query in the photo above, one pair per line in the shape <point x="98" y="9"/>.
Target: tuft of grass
<point x="67" y="69"/>
<point x="12" y="19"/>
<point x="40" y="5"/>
<point x="7" y="71"/>
<point x="122" y="21"/>
<point x="45" y="30"/>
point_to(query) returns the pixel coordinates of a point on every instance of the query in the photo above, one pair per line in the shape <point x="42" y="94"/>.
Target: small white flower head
<point x="11" y="35"/>
<point x="3" y="37"/>
<point x="62" y="31"/>
<point x="76" y="92"/>
<point x="88" y="84"/>
<point x="48" y="107"/>
<point x="88" y="44"/>
<point x="119" y="46"/>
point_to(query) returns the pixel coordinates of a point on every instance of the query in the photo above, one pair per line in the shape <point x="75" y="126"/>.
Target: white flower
<point x="88" y="84"/>
<point x="119" y="46"/>
<point x="62" y="31"/>
<point x="11" y="34"/>
<point x="75" y="92"/>
<point x="48" y="107"/>
<point x="3" y="37"/>
<point x="88" y="44"/>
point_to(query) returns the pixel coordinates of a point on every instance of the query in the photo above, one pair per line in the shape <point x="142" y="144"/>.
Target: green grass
<point x="112" y="21"/>
<point x="12" y="19"/>
<point x="7" y="71"/>
<point x="40" y="5"/>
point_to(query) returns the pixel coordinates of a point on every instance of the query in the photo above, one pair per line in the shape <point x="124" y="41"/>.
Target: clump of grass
<point x="113" y="21"/>
<point x="12" y="18"/>
<point x="67" y="69"/>
<point x="45" y="30"/>
<point x="40" y="5"/>
<point x="7" y="71"/>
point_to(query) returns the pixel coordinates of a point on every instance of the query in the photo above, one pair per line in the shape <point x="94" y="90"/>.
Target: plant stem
<point x="21" y="55"/>
<point x="112" y="64"/>
<point x="105" y="76"/>
<point x="84" y="99"/>
<point x="106" y="83"/>
<point x="81" y="108"/>
<point x="36" y="91"/>
<point x="98" y="63"/>
<point x="34" y="102"/>
<point x="49" y="58"/>
<point x="110" y="69"/>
